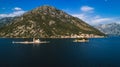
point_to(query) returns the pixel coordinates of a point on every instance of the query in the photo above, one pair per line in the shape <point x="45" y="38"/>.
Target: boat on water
<point x="35" y="41"/>
<point x="81" y="40"/>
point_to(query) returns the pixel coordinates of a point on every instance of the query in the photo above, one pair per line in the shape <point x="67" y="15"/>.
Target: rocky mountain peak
<point x="48" y="10"/>
<point x="109" y="29"/>
<point x="45" y="8"/>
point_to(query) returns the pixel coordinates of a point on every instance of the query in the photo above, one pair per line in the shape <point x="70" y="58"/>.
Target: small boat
<point x="35" y="41"/>
<point x="81" y="40"/>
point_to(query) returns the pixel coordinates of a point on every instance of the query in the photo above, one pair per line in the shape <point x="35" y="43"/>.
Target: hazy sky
<point x="91" y="11"/>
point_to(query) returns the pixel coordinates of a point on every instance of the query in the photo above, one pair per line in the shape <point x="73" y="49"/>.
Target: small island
<point x="48" y="22"/>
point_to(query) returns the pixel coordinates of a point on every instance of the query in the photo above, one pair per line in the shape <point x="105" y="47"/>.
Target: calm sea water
<point x="98" y="52"/>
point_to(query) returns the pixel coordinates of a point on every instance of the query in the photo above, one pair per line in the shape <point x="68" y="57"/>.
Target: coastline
<point x="62" y="37"/>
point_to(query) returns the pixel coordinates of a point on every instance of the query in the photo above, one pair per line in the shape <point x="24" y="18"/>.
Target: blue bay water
<point x="98" y="52"/>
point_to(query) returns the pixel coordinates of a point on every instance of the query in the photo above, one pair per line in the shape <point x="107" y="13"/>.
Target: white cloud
<point x="17" y="9"/>
<point x="17" y="12"/>
<point x="102" y="20"/>
<point x="92" y="18"/>
<point x="86" y="8"/>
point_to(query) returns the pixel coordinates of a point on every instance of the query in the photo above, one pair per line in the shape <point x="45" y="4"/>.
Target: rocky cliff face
<point x="109" y="29"/>
<point x="46" y="21"/>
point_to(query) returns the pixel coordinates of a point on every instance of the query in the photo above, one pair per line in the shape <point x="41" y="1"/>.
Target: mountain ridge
<point x="6" y="20"/>
<point x="109" y="29"/>
<point x="46" y="21"/>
